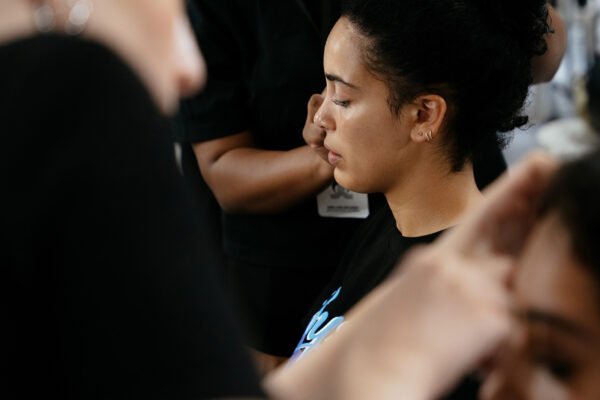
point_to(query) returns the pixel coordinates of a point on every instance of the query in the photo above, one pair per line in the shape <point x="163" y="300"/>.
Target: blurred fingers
<point x="506" y="215"/>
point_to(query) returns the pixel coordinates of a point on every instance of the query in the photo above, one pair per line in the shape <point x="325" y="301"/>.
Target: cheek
<point x="160" y="18"/>
<point x="587" y="385"/>
<point x="357" y="128"/>
<point x="543" y="385"/>
<point x="188" y="65"/>
<point x="158" y="14"/>
<point x="516" y="378"/>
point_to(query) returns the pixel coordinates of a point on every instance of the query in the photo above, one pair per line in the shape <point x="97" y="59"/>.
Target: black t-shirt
<point x="371" y="255"/>
<point x="104" y="292"/>
<point x="369" y="258"/>
<point x="265" y="60"/>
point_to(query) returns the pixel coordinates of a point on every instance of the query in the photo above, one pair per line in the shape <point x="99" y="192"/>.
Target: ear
<point x="429" y="112"/>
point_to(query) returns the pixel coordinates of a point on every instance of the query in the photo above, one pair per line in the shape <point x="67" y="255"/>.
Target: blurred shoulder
<point x="54" y="65"/>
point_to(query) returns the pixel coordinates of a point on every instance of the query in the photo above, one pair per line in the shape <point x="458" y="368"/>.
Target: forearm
<point x="341" y="369"/>
<point x="248" y="180"/>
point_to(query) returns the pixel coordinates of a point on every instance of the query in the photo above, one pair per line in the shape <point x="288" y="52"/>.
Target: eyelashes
<point x="341" y="103"/>
<point x="550" y="354"/>
<point x="560" y="368"/>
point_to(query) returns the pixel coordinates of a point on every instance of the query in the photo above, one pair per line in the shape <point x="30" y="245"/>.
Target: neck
<point x="430" y="200"/>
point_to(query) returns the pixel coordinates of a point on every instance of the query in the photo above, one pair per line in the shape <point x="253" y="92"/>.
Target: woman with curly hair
<point x="415" y="90"/>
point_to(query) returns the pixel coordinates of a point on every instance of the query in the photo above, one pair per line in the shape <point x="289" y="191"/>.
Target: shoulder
<point x="62" y="92"/>
<point x="55" y="51"/>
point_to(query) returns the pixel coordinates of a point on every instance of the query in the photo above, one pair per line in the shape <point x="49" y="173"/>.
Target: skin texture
<point x="554" y="351"/>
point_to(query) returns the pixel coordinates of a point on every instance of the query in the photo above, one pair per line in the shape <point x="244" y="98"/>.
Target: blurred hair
<point x="476" y="54"/>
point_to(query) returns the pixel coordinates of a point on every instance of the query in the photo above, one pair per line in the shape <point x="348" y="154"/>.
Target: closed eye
<point x="341" y="103"/>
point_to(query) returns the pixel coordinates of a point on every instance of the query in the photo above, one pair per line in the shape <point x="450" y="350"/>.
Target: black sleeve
<point x="221" y="108"/>
<point x="117" y="302"/>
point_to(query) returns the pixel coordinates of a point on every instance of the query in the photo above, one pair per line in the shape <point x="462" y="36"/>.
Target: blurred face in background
<point x="177" y="55"/>
<point x="554" y="353"/>
<point x="156" y="38"/>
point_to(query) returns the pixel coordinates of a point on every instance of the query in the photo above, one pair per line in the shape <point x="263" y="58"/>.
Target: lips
<point x="332" y="156"/>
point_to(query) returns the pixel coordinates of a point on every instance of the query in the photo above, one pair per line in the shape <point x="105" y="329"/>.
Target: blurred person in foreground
<point x="106" y="295"/>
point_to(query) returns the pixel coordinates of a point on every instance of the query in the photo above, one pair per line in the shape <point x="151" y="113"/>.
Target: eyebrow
<point x="335" y="78"/>
<point x="556" y="321"/>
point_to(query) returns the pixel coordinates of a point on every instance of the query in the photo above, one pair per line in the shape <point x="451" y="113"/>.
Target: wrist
<point x="344" y="369"/>
<point x="394" y="375"/>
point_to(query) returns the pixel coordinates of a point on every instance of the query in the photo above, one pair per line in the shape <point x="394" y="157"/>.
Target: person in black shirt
<point x="397" y="121"/>
<point x="106" y="294"/>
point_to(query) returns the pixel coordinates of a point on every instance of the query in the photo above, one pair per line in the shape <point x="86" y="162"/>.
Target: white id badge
<point x="339" y="202"/>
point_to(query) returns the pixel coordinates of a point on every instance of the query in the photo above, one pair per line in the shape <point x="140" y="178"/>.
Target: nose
<point x="323" y="117"/>
<point x="190" y="68"/>
<point x="511" y="376"/>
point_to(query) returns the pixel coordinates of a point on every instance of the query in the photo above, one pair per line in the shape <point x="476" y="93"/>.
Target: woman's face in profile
<point x="369" y="145"/>
<point x="555" y="350"/>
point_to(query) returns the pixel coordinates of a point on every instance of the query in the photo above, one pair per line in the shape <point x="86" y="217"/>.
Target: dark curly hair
<point x="476" y="54"/>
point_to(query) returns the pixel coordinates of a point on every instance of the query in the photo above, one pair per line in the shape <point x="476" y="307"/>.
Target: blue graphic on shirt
<point x="318" y="328"/>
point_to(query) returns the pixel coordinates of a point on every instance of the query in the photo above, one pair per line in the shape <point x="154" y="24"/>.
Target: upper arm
<point x="221" y="108"/>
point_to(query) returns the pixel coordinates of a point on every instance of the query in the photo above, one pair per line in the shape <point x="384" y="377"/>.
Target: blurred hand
<point x="498" y="229"/>
<point x="313" y="133"/>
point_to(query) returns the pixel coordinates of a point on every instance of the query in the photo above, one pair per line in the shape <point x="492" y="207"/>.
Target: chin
<point x="352" y="183"/>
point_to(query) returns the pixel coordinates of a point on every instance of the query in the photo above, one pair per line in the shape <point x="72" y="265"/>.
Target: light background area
<point x="562" y="98"/>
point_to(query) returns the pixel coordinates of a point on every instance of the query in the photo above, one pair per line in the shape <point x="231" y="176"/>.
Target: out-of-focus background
<point x="558" y="110"/>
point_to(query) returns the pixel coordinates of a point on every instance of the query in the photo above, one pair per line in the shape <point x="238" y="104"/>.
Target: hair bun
<point x="517" y="18"/>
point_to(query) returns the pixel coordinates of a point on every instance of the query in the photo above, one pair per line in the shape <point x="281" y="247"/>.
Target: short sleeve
<point x="221" y="108"/>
